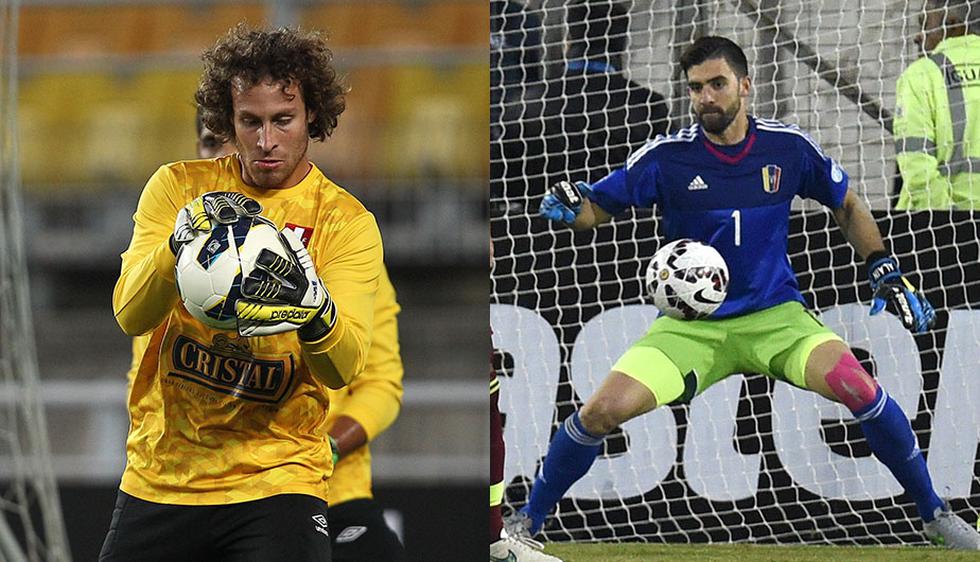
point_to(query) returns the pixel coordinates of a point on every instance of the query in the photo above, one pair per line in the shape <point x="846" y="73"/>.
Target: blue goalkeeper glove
<point x="209" y="210"/>
<point x="282" y="294"/>
<point x="892" y="289"/>
<point x="563" y="201"/>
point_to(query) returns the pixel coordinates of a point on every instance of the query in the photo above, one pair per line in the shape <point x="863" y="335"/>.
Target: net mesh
<point x="750" y="459"/>
<point x="30" y="518"/>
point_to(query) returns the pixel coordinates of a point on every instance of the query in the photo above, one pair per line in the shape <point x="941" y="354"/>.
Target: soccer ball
<point x="210" y="268"/>
<point x="687" y="279"/>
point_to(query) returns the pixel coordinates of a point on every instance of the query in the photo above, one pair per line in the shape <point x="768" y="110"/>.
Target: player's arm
<point x="568" y="203"/>
<point x="375" y="396"/>
<point x="336" y="349"/>
<point x="584" y="206"/>
<point x="889" y="286"/>
<point x="858" y="225"/>
<point x="146" y="290"/>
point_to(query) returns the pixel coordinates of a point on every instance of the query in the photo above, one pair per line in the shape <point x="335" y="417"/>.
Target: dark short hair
<point x="284" y="55"/>
<point x="963" y="11"/>
<point x="714" y="47"/>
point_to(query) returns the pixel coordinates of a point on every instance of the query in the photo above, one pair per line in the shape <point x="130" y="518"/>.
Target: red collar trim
<point x="726" y="158"/>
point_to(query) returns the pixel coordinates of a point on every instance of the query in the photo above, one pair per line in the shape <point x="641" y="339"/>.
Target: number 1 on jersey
<point x="737" y="215"/>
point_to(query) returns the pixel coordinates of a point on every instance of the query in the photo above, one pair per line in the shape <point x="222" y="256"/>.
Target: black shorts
<point x="360" y="534"/>
<point x="285" y="527"/>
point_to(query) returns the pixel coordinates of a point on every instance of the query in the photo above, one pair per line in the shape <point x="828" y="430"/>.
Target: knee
<point x="601" y="414"/>
<point x="851" y="384"/>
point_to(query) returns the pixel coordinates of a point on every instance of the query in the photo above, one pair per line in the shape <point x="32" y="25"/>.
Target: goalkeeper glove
<point x="889" y="287"/>
<point x="563" y="201"/>
<point x="209" y="210"/>
<point x="334" y="449"/>
<point x="285" y="294"/>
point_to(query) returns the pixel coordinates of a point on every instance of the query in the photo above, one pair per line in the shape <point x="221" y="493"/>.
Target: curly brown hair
<point x="284" y="55"/>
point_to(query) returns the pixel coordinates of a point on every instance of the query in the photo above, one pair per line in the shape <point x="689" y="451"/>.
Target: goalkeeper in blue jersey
<point x="729" y="181"/>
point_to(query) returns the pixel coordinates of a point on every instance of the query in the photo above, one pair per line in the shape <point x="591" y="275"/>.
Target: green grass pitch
<point x="633" y="552"/>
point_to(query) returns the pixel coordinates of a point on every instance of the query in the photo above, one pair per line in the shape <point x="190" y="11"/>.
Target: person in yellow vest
<point x="217" y="470"/>
<point x="937" y="117"/>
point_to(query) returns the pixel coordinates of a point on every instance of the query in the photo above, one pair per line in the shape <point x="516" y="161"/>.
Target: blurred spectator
<point x="515" y="51"/>
<point x="936" y="146"/>
<point x="515" y="70"/>
<point x="584" y="122"/>
<point x="595" y="116"/>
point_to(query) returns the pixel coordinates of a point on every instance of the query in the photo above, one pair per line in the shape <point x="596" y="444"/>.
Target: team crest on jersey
<point x="770" y="178"/>
<point x="230" y="367"/>
<point x="304" y="232"/>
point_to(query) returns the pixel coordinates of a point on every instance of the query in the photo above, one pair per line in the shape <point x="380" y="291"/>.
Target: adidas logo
<point x="697" y="184"/>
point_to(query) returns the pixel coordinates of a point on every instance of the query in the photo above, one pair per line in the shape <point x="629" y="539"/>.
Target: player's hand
<point x="563" y="201"/>
<point x="208" y="210"/>
<point x="893" y="290"/>
<point x="334" y="449"/>
<point x="285" y="294"/>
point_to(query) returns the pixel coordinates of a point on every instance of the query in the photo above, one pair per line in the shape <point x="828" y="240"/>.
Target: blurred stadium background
<point x="105" y="96"/>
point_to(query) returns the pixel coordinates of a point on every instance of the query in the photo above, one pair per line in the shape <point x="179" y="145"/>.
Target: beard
<point x="716" y="121"/>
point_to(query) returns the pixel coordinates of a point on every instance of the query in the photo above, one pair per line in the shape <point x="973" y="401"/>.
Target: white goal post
<point x="749" y="460"/>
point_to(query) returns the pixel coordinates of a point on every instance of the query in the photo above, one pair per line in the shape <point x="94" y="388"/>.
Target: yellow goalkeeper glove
<point x="282" y="294"/>
<point x="209" y="210"/>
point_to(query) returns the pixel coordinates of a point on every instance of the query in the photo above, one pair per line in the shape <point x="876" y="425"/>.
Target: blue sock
<point x="571" y="453"/>
<point x="890" y="437"/>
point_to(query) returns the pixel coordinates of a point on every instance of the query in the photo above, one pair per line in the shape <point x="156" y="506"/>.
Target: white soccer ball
<point x="210" y="268"/>
<point x="687" y="279"/>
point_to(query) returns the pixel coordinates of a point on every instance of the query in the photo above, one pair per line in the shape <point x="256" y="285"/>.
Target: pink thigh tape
<point x="852" y="386"/>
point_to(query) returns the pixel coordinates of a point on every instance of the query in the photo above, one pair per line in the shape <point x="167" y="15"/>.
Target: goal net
<point x="750" y="459"/>
<point x="31" y="527"/>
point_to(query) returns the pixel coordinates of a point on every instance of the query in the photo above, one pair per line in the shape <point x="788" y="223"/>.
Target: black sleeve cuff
<point x="315" y="330"/>
<point x="875" y="256"/>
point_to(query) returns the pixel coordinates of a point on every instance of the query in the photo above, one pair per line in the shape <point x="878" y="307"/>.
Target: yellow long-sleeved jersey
<point x="215" y="418"/>
<point x="373" y="399"/>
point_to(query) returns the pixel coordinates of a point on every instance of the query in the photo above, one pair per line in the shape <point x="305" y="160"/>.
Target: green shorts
<point x="679" y="359"/>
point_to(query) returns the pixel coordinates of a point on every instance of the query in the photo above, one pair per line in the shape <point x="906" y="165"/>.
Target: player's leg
<point x="360" y="534"/>
<point x="142" y="530"/>
<point x="496" y="461"/>
<point x="640" y="380"/>
<point x="283" y="527"/>
<point x="818" y="360"/>
<point x="834" y="372"/>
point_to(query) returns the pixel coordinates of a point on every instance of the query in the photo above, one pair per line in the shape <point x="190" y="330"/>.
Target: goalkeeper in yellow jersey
<point x="216" y="471"/>
<point x="358" y="413"/>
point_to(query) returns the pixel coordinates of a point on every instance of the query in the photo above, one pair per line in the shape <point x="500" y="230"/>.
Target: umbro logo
<point x="351" y="534"/>
<point x="697" y="184"/>
<point x="320" y="525"/>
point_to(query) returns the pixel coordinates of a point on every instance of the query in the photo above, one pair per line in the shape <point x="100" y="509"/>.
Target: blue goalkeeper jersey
<point x="734" y="198"/>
